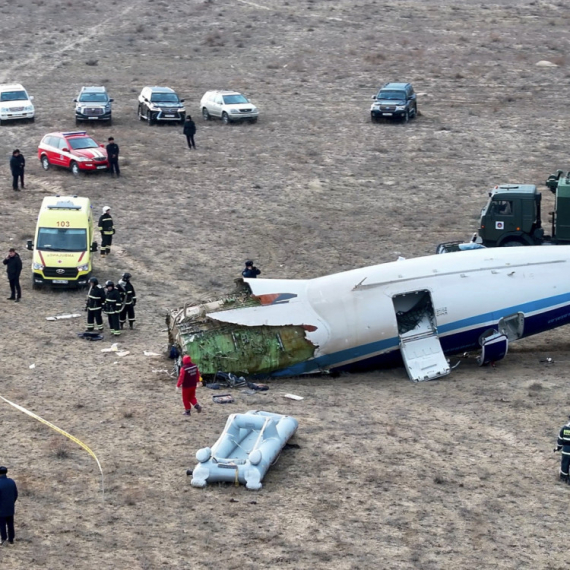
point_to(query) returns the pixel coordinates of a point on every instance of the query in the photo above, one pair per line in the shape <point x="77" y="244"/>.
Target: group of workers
<point x="118" y="303"/>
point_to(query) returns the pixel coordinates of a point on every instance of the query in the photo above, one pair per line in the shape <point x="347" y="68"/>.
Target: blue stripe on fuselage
<point x="453" y="339"/>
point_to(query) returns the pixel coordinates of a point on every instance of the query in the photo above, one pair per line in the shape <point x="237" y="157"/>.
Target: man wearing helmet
<point x="250" y="271"/>
<point x="113" y="307"/>
<point x="95" y="300"/>
<point x="107" y="231"/>
<point x="129" y="300"/>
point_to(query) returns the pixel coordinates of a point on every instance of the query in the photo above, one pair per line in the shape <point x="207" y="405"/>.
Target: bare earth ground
<point x="457" y="473"/>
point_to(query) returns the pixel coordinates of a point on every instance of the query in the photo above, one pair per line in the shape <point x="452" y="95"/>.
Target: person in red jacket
<point x="188" y="380"/>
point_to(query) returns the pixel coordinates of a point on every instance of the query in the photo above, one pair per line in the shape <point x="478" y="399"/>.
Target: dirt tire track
<point x="88" y="35"/>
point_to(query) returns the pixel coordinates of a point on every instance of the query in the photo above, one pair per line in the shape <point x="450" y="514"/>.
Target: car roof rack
<point x="74" y="133"/>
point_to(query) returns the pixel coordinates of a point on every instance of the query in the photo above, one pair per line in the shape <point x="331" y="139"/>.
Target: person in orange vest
<point x="187" y="381"/>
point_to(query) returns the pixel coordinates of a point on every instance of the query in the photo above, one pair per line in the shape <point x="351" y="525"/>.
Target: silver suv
<point x="93" y="104"/>
<point x="229" y="106"/>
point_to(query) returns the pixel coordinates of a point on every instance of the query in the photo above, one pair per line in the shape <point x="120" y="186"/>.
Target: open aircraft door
<point x="419" y="340"/>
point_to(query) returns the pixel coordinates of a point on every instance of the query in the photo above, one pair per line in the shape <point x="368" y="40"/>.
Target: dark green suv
<point x="394" y="101"/>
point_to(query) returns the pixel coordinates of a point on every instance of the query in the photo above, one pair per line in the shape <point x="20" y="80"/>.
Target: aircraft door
<point x="419" y="341"/>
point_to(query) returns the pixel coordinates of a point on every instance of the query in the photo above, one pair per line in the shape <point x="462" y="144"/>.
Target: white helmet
<point x="106" y="209"/>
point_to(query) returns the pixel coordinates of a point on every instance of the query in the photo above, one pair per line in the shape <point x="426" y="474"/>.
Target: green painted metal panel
<point x="246" y="350"/>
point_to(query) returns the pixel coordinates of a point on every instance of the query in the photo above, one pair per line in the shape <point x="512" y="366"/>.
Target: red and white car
<point x="75" y="150"/>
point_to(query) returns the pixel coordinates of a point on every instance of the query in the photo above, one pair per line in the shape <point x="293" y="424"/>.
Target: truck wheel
<point x="35" y="285"/>
<point x="75" y="169"/>
<point x="513" y="243"/>
<point x="225" y="118"/>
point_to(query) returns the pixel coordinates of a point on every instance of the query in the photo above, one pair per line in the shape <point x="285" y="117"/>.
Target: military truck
<point x="512" y="216"/>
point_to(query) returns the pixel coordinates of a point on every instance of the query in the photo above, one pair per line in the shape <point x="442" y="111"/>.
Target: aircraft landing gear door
<point x="419" y="341"/>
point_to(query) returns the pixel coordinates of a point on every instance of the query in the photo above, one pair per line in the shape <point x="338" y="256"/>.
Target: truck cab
<point x="63" y="243"/>
<point x="512" y="216"/>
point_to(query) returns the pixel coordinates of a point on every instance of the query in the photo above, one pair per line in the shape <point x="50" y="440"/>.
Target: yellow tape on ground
<point x="62" y="432"/>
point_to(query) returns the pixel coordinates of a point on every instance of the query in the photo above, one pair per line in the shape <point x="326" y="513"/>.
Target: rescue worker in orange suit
<point x="188" y="380"/>
<point x="563" y="444"/>
<point x="129" y="300"/>
<point x="107" y="230"/>
<point x="95" y="300"/>
<point x="113" y="307"/>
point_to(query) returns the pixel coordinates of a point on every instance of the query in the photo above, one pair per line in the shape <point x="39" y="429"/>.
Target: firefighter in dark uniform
<point x="107" y="231"/>
<point x="129" y="299"/>
<point x="563" y="444"/>
<point x="113" y="307"/>
<point x="95" y="301"/>
<point x="250" y="271"/>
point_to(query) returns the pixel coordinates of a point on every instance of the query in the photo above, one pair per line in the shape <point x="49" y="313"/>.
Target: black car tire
<point x="35" y="285"/>
<point x="149" y="117"/>
<point x="77" y="122"/>
<point x="253" y="121"/>
<point x="33" y="120"/>
<point x="182" y="118"/>
<point x="225" y="118"/>
<point x="513" y="243"/>
<point x="374" y="118"/>
<point x="141" y="118"/>
<point x="205" y="115"/>
<point x="45" y="162"/>
<point x="74" y="167"/>
<point x="406" y="116"/>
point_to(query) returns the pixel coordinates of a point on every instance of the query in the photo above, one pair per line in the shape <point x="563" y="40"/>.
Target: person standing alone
<point x="8" y="498"/>
<point x="113" y="156"/>
<point x="17" y="164"/>
<point x="190" y="131"/>
<point x="13" y="263"/>
<point x="107" y="230"/>
<point x="188" y="380"/>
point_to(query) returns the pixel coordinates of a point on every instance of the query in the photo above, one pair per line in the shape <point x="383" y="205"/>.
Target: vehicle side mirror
<point x="111" y="100"/>
<point x="93" y="246"/>
<point x="32" y="98"/>
<point x="182" y="100"/>
<point x="373" y="97"/>
<point x="30" y="245"/>
<point x="102" y="145"/>
<point x="64" y="149"/>
<point x="75" y="100"/>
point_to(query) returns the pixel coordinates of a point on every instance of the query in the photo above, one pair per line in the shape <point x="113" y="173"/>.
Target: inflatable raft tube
<point x="248" y="446"/>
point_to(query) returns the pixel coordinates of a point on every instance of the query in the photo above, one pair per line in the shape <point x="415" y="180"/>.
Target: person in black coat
<point x="17" y="164"/>
<point x="250" y="271"/>
<point x="190" y="131"/>
<point x="13" y="263"/>
<point x="113" y="156"/>
<point x="8" y="498"/>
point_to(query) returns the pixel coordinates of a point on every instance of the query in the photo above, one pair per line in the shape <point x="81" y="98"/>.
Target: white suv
<point x="229" y="106"/>
<point x="15" y="103"/>
<point x="160" y="104"/>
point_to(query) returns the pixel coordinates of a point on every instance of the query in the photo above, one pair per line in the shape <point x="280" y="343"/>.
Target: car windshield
<point x="164" y="98"/>
<point x="94" y="98"/>
<point x="14" y="96"/>
<point x="234" y="99"/>
<point x="60" y="239"/>
<point x="392" y="95"/>
<point x="84" y="142"/>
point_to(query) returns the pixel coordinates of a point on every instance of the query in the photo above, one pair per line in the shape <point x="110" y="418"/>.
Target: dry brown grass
<point x="454" y="474"/>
